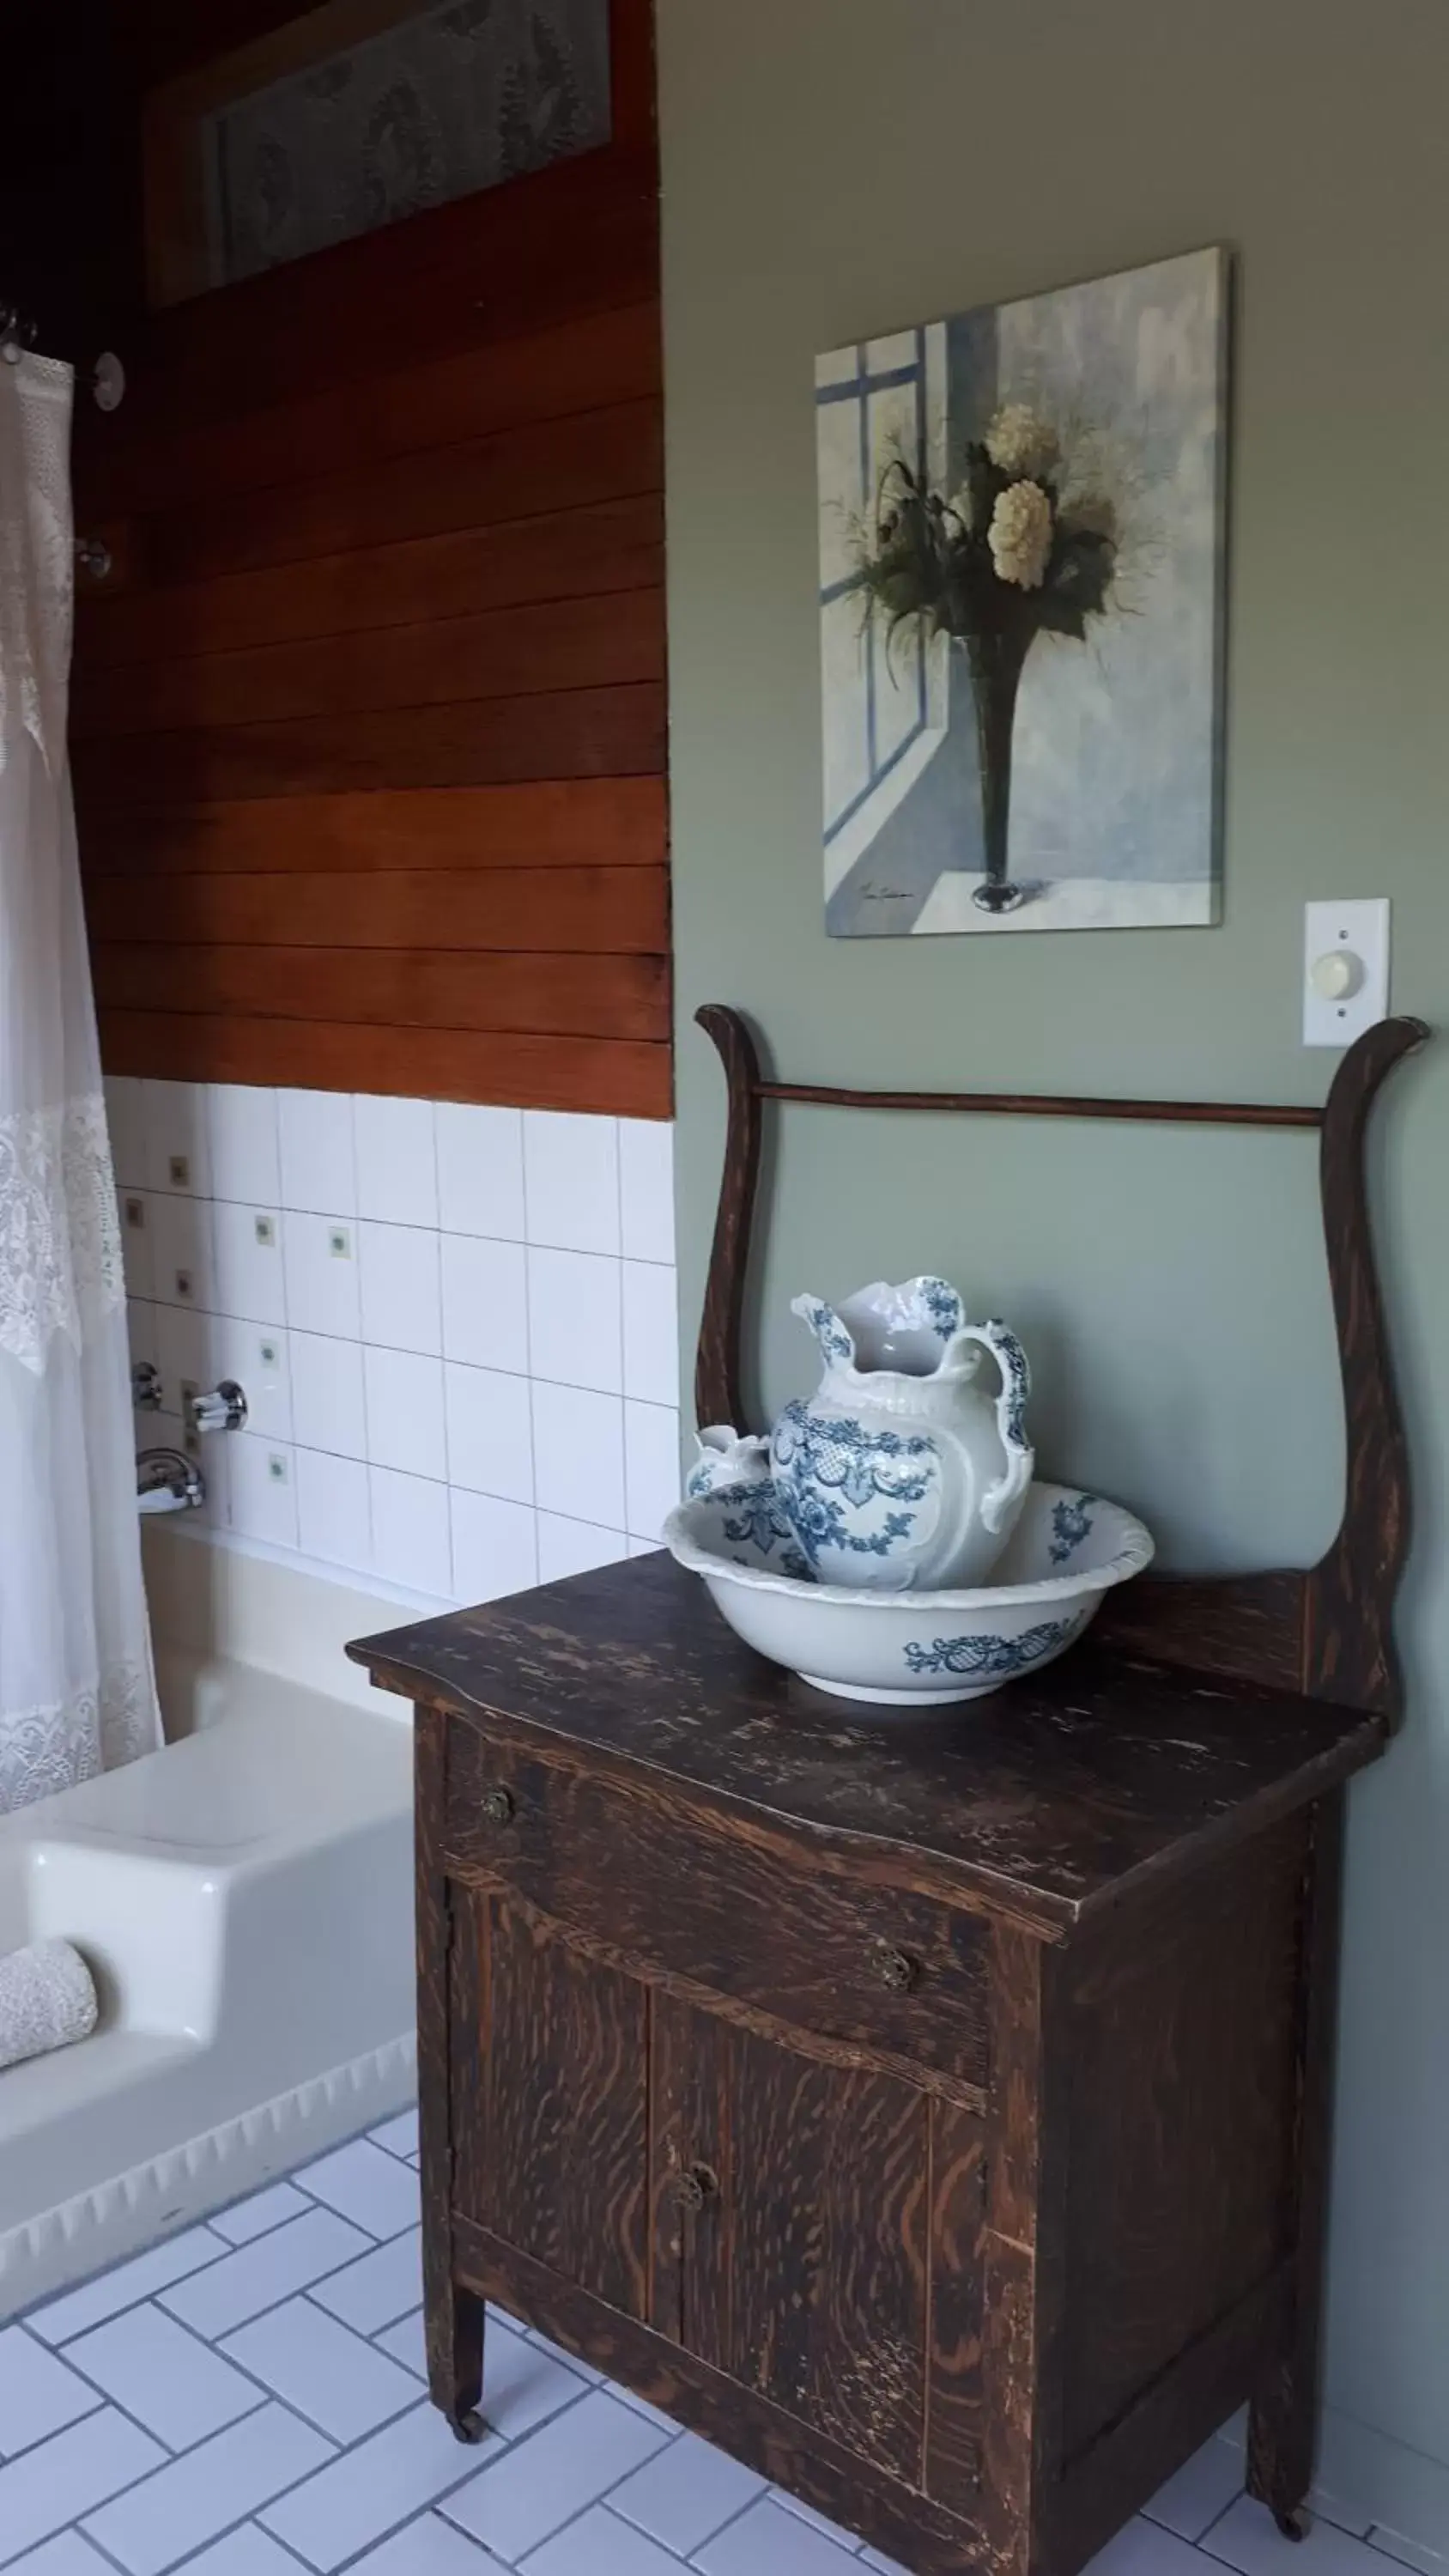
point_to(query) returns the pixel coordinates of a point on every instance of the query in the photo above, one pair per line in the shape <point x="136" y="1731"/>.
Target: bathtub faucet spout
<point x="168" y="1481"/>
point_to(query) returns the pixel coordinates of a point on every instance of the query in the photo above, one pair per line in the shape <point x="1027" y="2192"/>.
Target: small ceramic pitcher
<point x="726" y="1458"/>
<point x="901" y="1473"/>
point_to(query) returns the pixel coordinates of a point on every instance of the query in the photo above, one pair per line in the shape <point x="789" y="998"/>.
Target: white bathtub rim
<point x="104" y="2225"/>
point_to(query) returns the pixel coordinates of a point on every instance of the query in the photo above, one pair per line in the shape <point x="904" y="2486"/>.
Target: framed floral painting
<point x="1021" y="611"/>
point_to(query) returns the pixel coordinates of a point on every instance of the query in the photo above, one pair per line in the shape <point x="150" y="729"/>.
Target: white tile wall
<point x="455" y="1325"/>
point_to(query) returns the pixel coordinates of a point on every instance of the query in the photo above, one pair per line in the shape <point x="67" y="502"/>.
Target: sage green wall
<point x="834" y="168"/>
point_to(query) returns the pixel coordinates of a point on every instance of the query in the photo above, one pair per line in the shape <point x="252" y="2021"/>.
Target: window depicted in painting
<point x="448" y="100"/>
<point x="1021" y="550"/>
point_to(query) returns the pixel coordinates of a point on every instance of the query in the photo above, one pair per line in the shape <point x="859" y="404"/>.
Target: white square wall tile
<point x="183" y="1353"/>
<point x="318" y="1157"/>
<point x="126" y="1124"/>
<point x="571" y="1180"/>
<point x="366" y="2493"/>
<point x="651" y="1466"/>
<point x="490" y="1436"/>
<point x="262" y="1487"/>
<point x="411" y="1537"/>
<point x="38" y="2394"/>
<point x="245" y="1163"/>
<point x="256" y="1357"/>
<point x="48" y="2487"/>
<point x="334" y="1509"/>
<point x="480" y="1170"/>
<point x="319" y="1260"/>
<point x="565" y="2466"/>
<point x="646" y="1189"/>
<point x="247" y="1259"/>
<point x="578" y="1454"/>
<point x="575" y="1320"/>
<point x="401" y="1299"/>
<point x="651" y="1332"/>
<point x="404" y="1393"/>
<point x="572" y="1547"/>
<point x="141" y="1330"/>
<point x="178" y="2388"/>
<point x="138" y="1237"/>
<point x="397" y="1162"/>
<point x="178" y="1152"/>
<point x="181" y="1261"/>
<point x="169" y="2515"/>
<point x="495" y="1547"/>
<point x="485" y="1303"/>
<point x="328" y="1407"/>
<point x="323" y="2370"/>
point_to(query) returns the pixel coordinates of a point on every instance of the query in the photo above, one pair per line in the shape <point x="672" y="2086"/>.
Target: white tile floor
<point x="247" y="2400"/>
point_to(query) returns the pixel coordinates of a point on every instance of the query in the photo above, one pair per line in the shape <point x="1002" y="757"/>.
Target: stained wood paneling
<point x="509" y="653"/>
<point x="630" y="1077"/>
<point x="369" y="721"/>
<point x="559" y="555"/>
<point x="576" y="733"/>
<point x="557" y="823"/>
<point x="558" y="464"/>
<point x="603" y="911"/>
<point x="605" y="358"/>
<point x="587" y="996"/>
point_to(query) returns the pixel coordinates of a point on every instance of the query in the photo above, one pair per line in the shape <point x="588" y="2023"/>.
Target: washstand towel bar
<point x="1326" y="1630"/>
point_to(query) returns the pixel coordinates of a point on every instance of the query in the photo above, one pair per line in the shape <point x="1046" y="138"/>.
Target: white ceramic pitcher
<point x="901" y="1472"/>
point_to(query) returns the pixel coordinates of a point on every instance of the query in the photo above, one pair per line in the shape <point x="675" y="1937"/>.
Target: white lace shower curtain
<point x="76" y="1693"/>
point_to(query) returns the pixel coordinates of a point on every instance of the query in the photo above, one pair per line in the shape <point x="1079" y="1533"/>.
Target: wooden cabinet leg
<point x="1283" y="2417"/>
<point x="455" y="2362"/>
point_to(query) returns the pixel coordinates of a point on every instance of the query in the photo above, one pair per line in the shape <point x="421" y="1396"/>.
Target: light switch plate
<point x="1359" y="930"/>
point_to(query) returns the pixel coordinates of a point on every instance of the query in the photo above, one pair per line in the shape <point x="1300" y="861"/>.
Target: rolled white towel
<point x="47" y="1999"/>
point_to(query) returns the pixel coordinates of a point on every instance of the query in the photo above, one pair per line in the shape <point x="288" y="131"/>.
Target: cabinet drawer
<point x="736" y="1910"/>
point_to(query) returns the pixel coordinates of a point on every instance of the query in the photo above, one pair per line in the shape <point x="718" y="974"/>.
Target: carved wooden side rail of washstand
<point x="1325" y="1631"/>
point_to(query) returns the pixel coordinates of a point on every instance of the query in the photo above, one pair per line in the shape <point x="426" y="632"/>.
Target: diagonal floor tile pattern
<point x="247" y="2400"/>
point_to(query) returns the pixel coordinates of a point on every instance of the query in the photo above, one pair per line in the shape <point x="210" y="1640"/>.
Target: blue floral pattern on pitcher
<point x="823" y="1469"/>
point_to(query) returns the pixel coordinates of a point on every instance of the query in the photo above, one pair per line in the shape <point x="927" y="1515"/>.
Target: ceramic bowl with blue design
<point x="910" y="1649"/>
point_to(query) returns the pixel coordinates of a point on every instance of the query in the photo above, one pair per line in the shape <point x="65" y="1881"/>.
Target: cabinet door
<point x="550" y="2111"/>
<point x="791" y="2225"/>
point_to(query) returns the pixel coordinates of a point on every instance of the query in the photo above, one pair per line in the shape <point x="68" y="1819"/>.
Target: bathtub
<point x="244" y="1897"/>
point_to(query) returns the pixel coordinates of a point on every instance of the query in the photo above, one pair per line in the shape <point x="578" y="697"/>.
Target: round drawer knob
<point x="893" y="1968"/>
<point x="497" y="1805"/>
<point x="694" y="2186"/>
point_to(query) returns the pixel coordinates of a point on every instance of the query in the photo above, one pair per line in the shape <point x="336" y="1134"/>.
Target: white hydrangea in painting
<point x="1021" y="539"/>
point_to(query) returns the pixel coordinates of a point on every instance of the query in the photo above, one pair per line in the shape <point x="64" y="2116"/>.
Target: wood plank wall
<point x="368" y="719"/>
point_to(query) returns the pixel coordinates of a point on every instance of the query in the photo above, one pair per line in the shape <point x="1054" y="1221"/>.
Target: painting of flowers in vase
<point x="1021" y="611"/>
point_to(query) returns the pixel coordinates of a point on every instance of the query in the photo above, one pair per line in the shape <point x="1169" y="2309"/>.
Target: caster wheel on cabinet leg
<point x="468" y="2428"/>
<point x="1294" y="2525"/>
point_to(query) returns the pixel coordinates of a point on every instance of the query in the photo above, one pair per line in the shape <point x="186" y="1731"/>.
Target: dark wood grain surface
<point x="1052" y="1798"/>
<point x="631" y="1869"/>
